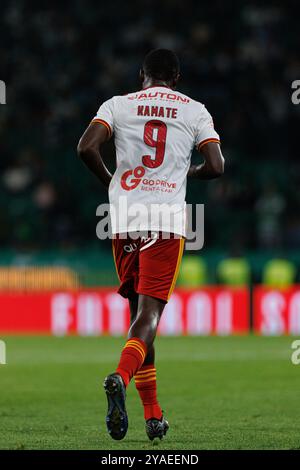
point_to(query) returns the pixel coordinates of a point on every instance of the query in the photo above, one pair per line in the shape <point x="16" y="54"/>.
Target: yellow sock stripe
<point x="143" y="372"/>
<point x="137" y="348"/>
<point x="137" y="343"/>
<point x="143" y="369"/>
<point x="140" y="376"/>
<point x="181" y="246"/>
<point x="142" y="379"/>
<point x="133" y="341"/>
<point x="146" y="380"/>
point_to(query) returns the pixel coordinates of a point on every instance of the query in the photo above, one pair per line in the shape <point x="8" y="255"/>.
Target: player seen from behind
<point x="155" y="130"/>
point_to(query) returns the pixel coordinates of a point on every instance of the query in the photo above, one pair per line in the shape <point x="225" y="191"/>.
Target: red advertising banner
<point x="276" y="312"/>
<point x="211" y="310"/>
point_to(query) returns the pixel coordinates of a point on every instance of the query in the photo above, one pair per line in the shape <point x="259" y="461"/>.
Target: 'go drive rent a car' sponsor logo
<point x="131" y="179"/>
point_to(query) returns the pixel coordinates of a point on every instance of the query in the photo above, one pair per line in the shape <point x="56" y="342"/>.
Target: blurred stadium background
<point x="59" y="64"/>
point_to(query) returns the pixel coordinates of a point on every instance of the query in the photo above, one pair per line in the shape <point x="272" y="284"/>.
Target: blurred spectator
<point x="44" y="196"/>
<point x="279" y="273"/>
<point x="234" y="272"/>
<point x="270" y="207"/>
<point x="193" y="272"/>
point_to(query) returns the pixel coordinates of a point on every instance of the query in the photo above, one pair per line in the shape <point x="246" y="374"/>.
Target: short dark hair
<point x="161" y="64"/>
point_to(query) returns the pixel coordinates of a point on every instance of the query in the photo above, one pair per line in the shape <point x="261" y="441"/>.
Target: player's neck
<point x="149" y="82"/>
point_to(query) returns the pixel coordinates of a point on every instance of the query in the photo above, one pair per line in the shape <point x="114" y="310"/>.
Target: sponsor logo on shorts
<point x="130" y="248"/>
<point x="148" y="241"/>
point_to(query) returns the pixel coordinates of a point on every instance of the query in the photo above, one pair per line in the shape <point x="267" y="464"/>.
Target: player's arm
<point x="88" y="150"/>
<point x="213" y="165"/>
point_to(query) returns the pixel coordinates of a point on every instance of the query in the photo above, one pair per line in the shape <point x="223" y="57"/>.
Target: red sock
<point x="145" y="382"/>
<point x="132" y="358"/>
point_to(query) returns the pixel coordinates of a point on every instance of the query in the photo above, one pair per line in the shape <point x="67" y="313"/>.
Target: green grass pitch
<point x="217" y="393"/>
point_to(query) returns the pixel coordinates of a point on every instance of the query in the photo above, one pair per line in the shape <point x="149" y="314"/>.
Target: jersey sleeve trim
<point x="104" y="123"/>
<point x="212" y="139"/>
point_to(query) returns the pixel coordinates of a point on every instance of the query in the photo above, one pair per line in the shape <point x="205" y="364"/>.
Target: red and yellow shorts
<point x="147" y="265"/>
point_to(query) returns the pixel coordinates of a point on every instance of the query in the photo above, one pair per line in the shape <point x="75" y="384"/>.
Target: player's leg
<point x="145" y="325"/>
<point x="157" y="269"/>
<point x="145" y="378"/>
<point x="126" y="262"/>
<point x="157" y="273"/>
<point x="133" y="307"/>
<point x="157" y="276"/>
<point x="140" y="337"/>
<point x="139" y="308"/>
<point x="146" y="385"/>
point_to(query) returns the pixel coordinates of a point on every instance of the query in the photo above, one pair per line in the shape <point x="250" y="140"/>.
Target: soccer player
<point x="155" y="131"/>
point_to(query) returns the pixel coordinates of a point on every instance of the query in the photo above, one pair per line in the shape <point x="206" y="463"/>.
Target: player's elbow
<point x="218" y="167"/>
<point x="83" y="149"/>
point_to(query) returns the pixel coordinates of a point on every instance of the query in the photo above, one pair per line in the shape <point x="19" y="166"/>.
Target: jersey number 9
<point x="159" y="143"/>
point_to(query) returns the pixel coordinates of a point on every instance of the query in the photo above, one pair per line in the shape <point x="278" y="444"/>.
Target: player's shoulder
<point x="116" y="102"/>
<point x="194" y="103"/>
<point x="112" y="100"/>
<point x="195" y="110"/>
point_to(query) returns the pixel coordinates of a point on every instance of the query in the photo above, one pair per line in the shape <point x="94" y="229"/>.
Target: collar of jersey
<point x="156" y="86"/>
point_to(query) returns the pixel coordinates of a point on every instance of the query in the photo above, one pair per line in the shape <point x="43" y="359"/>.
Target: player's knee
<point x="83" y="149"/>
<point x="151" y="319"/>
<point x="145" y="326"/>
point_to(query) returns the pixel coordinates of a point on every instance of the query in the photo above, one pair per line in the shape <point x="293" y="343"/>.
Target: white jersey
<point x="155" y="132"/>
